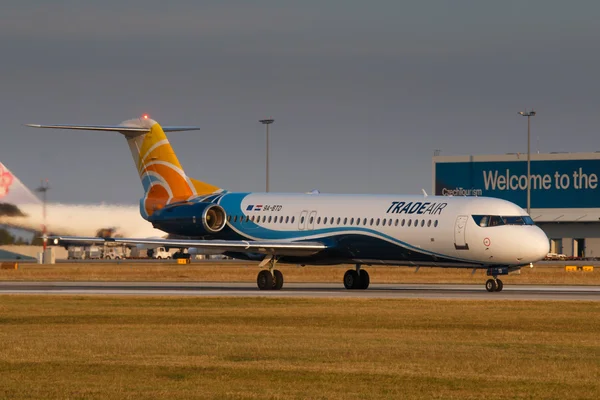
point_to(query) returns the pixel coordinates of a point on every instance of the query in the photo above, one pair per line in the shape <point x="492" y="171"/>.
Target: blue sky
<point x="362" y="93"/>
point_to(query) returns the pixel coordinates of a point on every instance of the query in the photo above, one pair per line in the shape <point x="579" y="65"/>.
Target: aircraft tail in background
<point x="162" y="176"/>
<point x="13" y="193"/>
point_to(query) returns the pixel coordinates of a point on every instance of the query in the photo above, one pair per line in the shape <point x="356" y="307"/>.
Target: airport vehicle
<point x="93" y="252"/>
<point x="75" y="253"/>
<point x="23" y="209"/>
<point x="555" y="257"/>
<point x="321" y="229"/>
<point x="160" y="253"/>
<point x="113" y="253"/>
<point x="182" y="253"/>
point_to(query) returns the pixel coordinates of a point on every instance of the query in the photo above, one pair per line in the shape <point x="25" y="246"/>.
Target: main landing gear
<point x="271" y="279"/>
<point x="356" y="278"/>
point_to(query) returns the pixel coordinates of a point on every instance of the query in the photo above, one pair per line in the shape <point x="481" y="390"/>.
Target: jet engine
<point x="190" y="219"/>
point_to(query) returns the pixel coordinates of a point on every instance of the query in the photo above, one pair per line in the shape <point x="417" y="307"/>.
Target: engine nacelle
<point x="190" y="219"/>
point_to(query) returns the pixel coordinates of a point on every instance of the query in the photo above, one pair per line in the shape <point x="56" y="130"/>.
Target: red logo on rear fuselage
<point x="6" y="179"/>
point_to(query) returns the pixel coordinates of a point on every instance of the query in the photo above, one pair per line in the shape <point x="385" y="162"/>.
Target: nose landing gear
<point x="495" y="284"/>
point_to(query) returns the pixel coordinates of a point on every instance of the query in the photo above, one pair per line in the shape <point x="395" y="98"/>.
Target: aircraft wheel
<point x="364" y="279"/>
<point x="499" y="285"/>
<point x="277" y="279"/>
<point x="351" y="279"/>
<point x="264" y="280"/>
<point x="490" y="285"/>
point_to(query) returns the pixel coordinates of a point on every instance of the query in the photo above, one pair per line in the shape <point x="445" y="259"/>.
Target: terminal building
<point x="564" y="192"/>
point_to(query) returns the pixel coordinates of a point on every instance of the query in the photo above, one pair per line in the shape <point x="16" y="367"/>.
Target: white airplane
<point x="322" y="229"/>
<point x="21" y="208"/>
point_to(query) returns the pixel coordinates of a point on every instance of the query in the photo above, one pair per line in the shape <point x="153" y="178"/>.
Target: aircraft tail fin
<point x="13" y="191"/>
<point x="162" y="176"/>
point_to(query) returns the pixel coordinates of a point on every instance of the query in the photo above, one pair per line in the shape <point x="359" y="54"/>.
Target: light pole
<point x="528" y="115"/>
<point x="43" y="189"/>
<point x="267" y="122"/>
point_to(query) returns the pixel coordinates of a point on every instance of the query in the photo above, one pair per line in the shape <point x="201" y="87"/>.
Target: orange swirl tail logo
<point x="6" y="180"/>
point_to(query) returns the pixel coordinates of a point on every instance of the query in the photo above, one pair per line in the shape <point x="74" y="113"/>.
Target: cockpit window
<point x="497" y="220"/>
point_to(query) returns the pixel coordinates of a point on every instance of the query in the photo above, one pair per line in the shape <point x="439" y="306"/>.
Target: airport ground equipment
<point x="160" y="253"/>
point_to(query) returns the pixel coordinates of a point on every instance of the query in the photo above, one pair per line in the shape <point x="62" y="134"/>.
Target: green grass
<point x="82" y="347"/>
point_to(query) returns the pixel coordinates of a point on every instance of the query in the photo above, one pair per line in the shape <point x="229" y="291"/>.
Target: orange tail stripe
<point x="177" y="183"/>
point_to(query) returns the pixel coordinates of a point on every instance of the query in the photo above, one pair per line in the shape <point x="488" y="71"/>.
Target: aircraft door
<point x="311" y="220"/>
<point x="460" y="227"/>
<point x="302" y="220"/>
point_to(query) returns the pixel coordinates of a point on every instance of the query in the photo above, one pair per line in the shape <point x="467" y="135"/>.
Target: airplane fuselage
<point x="376" y="229"/>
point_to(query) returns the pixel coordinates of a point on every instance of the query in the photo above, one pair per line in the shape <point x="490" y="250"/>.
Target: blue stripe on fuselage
<point x="231" y="203"/>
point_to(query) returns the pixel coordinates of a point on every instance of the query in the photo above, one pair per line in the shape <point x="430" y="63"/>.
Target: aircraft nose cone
<point x="538" y="245"/>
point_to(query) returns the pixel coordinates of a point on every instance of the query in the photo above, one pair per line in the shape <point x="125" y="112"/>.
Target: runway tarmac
<point x="311" y="290"/>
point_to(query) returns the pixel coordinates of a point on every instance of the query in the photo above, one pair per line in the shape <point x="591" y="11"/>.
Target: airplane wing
<point x="269" y="247"/>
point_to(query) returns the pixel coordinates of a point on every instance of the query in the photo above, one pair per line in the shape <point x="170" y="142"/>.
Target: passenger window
<point x="383" y="222"/>
<point x="235" y="218"/>
<point x="416" y="222"/>
<point x="351" y="221"/>
<point x="409" y="223"/>
<point x="302" y="220"/>
<point x="345" y="221"/>
<point x="319" y="221"/>
<point x="377" y="223"/>
<point x="229" y="218"/>
<point x="312" y="219"/>
<point x="428" y="223"/>
<point x="293" y="219"/>
<point x="339" y="220"/>
<point x="269" y="219"/>
<point x="287" y="219"/>
<point x="372" y="221"/>
<point x="422" y="223"/>
<point x="435" y="224"/>
<point x="403" y="221"/>
<point x="365" y="221"/>
<point x="247" y="218"/>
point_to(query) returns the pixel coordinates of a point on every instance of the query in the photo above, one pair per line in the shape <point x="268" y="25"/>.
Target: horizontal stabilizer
<point x="115" y="128"/>
<point x="259" y="246"/>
